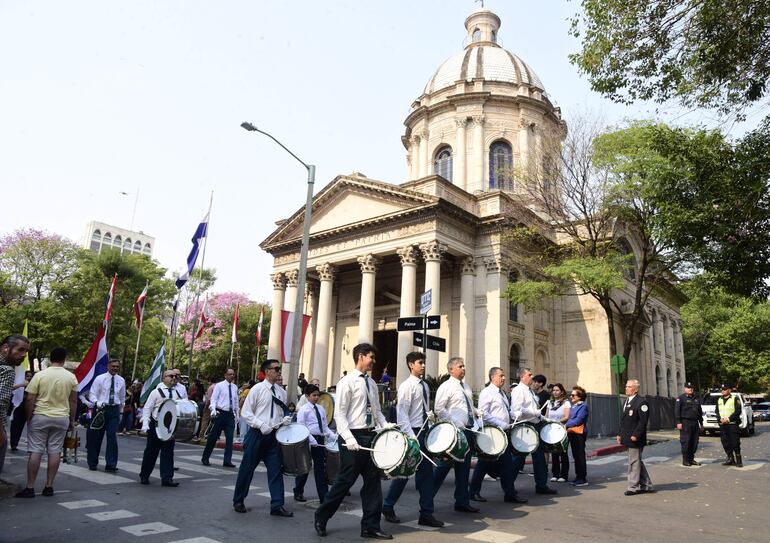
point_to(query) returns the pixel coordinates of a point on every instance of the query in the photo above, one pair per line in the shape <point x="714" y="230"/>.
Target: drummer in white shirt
<point x="313" y="415"/>
<point x="155" y="445"/>
<point x="496" y="409"/>
<point x="454" y="402"/>
<point x="224" y="413"/>
<point x="264" y="411"/>
<point x="525" y="408"/>
<point x="180" y="391"/>
<point x="412" y="410"/>
<point x="108" y="393"/>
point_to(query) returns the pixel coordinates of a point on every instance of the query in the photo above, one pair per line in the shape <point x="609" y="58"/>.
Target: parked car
<point x="761" y="411"/>
<point x="710" y="423"/>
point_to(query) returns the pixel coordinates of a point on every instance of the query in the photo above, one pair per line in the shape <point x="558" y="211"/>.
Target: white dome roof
<point x="488" y="62"/>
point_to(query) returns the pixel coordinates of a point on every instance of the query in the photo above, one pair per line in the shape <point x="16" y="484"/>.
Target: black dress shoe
<point x="687" y="464"/>
<point x="92" y="468"/>
<point x="230" y="465"/>
<point x="478" y="498"/>
<point x="205" y="462"/>
<point x="169" y="483"/>
<point x="111" y="469"/>
<point x="144" y="480"/>
<point x="240" y="508"/>
<point x="375" y="534"/>
<point x="320" y="527"/>
<point x="544" y="490"/>
<point x="514" y="499"/>
<point x="390" y="516"/>
<point x="467" y="509"/>
<point x="695" y="463"/>
<point x="632" y="492"/>
<point x="299" y="498"/>
<point x="281" y="512"/>
<point x="430" y="520"/>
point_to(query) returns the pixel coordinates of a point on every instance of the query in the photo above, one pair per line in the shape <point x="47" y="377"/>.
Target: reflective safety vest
<point x="726" y="408"/>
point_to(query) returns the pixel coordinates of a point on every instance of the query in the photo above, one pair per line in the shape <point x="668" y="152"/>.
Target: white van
<point x="710" y="422"/>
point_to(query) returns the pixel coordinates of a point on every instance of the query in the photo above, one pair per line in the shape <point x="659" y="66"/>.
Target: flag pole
<point x="174" y="327"/>
<point x="139" y="334"/>
<point x="198" y="292"/>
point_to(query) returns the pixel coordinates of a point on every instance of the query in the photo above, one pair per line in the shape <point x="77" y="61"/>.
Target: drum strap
<point x="279" y="403"/>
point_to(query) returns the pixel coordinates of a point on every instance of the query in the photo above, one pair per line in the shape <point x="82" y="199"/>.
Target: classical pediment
<point x="350" y="202"/>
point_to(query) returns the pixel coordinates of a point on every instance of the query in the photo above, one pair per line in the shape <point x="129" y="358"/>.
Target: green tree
<point x="703" y="53"/>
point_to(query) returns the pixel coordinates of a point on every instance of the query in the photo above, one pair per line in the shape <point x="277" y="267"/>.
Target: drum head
<point x="327" y="402"/>
<point x="440" y="438"/>
<point x="292" y="433"/>
<point x="553" y="432"/>
<point x="389" y="449"/>
<point x="524" y="438"/>
<point x="167" y="418"/>
<point x="492" y="440"/>
<point x="333" y="446"/>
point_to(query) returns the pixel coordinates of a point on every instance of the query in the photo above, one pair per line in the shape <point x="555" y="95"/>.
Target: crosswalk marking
<point x="493" y="536"/>
<point x="195" y="540"/>
<point x="199" y="468"/>
<point x="252" y="487"/>
<point x="355" y="512"/>
<point x="414" y="524"/>
<point x="204" y="480"/>
<point x="267" y="494"/>
<point x="136" y="469"/>
<point x="82" y="504"/>
<point x="151" y="528"/>
<point x="98" y="477"/>
<point x="656" y="459"/>
<point x="112" y="515"/>
<point x="605" y="460"/>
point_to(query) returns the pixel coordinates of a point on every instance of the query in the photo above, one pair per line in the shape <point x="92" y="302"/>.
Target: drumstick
<point x="426" y="457"/>
<point x="361" y="448"/>
<point x="422" y="427"/>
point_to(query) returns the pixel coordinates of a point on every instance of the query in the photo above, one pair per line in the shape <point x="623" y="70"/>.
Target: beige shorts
<point x="46" y="434"/>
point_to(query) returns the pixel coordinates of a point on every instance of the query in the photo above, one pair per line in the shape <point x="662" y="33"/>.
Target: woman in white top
<point x="558" y="411"/>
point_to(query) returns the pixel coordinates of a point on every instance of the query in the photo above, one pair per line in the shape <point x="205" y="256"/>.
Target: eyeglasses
<point x="276" y="368"/>
<point x="576" y="395"/>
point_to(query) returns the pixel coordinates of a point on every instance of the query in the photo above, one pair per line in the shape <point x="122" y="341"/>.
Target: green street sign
<point x="618" y="364"/>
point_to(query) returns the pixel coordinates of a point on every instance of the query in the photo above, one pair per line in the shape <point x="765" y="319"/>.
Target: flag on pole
<point x="94" y="363"/>
<point x="287" y="333"/>
<point x="111" y="298"/>
<point x="18" y="394"/>
<point x="139" y="307"/>
<point x="235" y="323"/>
<point x="259" y="327"/>
<point x="203" y="318"/>
<point x="174" y="316"/>
<point x="156" y="373"/>
<point x="199" y="234"/>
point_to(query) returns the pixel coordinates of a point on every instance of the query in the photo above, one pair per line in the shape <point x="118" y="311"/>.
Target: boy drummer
<point x="313" y="415"/>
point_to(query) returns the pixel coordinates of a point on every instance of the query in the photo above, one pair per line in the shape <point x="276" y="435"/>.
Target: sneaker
<point x="26" y="493"/>
<point x="554" y="479"/>
<point x="48" y="491"/>
<point x="579" y="482"/>
<point x="561" y="480"/>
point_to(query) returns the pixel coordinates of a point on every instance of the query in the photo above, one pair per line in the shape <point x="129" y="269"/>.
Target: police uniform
<point x="688" y="413"/>
<point x="730" y="433"/>
<point x="633" y="423"/>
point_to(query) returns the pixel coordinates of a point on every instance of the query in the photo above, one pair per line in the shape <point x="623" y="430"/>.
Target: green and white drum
<point x="446" y="442"/>
<point x="554" y="437"/>
<point x="491" y="443"/>
<point x="395" y="453"/>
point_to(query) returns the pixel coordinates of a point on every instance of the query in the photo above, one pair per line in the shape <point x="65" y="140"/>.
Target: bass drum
<point x="177" y="419"/>
<point x="327" y="402"/>
<point x="332" y="461"/>
<point x="294" y="441"/>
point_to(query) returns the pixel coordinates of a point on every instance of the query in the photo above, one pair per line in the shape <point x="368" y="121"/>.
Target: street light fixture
<point x="291" y="386"/>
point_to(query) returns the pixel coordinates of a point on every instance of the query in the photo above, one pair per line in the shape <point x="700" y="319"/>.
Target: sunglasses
<point x="276" y="368"/>
<point x="573" y="394"/>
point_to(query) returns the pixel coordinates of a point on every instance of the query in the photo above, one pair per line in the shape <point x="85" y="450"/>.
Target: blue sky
<point x="101" y="97"/>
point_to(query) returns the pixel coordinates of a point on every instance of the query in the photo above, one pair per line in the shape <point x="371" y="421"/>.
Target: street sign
<point x="434" y="322"/>
<point x="426" y="300"/>
<point x="618" y="364"/>
<point x="406" y="324"/>
<point x="434" y="343"/>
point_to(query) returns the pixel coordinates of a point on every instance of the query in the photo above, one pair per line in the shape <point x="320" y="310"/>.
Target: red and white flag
<point x="111" y="298"/>
<point x="287" y="333"/>
<point x="139" y="307"/>
<point x="203" y="318"/>
<point x="259" y="327"/>
<point x="235" y="324"/>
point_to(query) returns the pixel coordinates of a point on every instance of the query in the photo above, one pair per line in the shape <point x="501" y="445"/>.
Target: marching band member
<point x="180" y="391"/>
<point x="496" y="411"/>
<point x="224" y="413"/>
<point x="313" y="415"/>
<point x="454" y="402"/>
<point x="108" y="392"/>
<point x="356" y="414"/>
<point x="412" y="413"/>
<point x="155" y="445"/>
<point x="525" y="408"/>
<point x="264" y="412"/>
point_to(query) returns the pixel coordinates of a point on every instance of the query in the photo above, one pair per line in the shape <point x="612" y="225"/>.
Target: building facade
<point x="376" y="246"/>
<point x="101" y="237"/>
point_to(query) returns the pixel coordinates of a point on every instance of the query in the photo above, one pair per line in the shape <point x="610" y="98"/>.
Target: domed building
<point x="475" y="139"/>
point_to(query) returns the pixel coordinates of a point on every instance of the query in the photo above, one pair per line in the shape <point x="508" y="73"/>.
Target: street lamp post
<point x="296" y="343"/>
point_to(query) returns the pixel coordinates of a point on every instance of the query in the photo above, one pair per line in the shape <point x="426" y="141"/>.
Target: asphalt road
<point x="708" y="503"/>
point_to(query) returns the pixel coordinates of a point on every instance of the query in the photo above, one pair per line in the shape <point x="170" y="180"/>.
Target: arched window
<point x="127" y="246"/>
<point x="659" y="380"/>
<point x="96" y="241"/>
<point x="513" y="309"/>
<point x="117" y="242"/>
<point x="147" y="249"/>
<point x="624" y="248"/>
<point x="500" y="166"/>
<point x="494" y="36"/>
<point x="669" y="382"/>
<point x="442" y="165"/>
<point x="137" y="247"/>
<point x="97" y="235"/>
<point x="476" y="36"/>
<point x="513" y="362"/>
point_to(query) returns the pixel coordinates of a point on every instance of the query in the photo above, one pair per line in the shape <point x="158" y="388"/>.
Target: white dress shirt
<point x="223" y="394"/>
<point x="180" y="391"/>
<point x="495" y="406"/>
<point x="100" y="390"/>
<point x="258" y="409"/>
<point x="524" y="404"/>
<point x="452" y="400"/>
<point x="350" y="408"/>
<point x="306" y="415"/>
<point x="411" y="407"/>
<point x="153" y="403"/>
<point x="557" y="413"/>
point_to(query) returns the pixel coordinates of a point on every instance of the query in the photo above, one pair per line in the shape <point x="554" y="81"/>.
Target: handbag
<point x="580" y="430"/>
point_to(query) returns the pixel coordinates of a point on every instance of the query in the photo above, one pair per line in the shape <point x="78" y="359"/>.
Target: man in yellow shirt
<point x="51" y="407"/>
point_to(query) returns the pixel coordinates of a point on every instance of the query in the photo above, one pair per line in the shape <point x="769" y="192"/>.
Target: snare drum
<point x="395" y="453"/>
<point x="294" y="441"/>
<point x="446" y="442"/>
<point x="332" y="461"/>
<point x="177" y="419"/>
<point x="554" y="437"/>
<point x="490" y="443"/>
<point x="524" y="438"/>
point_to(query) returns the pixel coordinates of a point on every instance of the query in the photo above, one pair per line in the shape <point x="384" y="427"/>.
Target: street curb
<point x="603" y="451"/>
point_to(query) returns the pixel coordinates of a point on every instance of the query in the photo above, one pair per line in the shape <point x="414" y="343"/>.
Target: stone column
<point x="432" y="252"/>
<point x="476" y="175"/>
<point x="524" y="144"/>
<point x="414" y="157"/>
<point x="424" y="162"/>
<point x="459" y="155"/>
<point x="279" y="293"/>
<point x="661" y="336"/>
<point x="408" y="256"/>
<point x="369" y="264"/>
<point x="680" y="351"/>
<point x="326" y="274"/>
<point x="496" y="333"/>
<point x="310" y="308"/>
<point x="292" y="282"/>
<point x="475" y="378"/>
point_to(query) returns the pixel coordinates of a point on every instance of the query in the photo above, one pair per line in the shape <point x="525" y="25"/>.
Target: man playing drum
<point x="356" y="413"/>
<point x="496" y="411"/>
<point x="525" y="408"/>
<point x="108" y="393"/>
<point x="155" y="445"/>
<point x="263" y="411"/>
<point x="313" y="415"/>
<point x="454" y="402"/>
<point x="412" y="412"/>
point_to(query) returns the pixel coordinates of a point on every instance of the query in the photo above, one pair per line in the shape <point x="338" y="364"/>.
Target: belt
<point x="362" y="431"/>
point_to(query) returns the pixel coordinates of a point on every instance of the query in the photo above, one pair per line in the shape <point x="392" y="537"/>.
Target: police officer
<point x="728" y="413"/>
<point x="689" y="417"/>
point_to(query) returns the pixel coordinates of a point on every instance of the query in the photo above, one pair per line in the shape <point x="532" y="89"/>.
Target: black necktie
<point x="468" y="405"/>
<point x="318" y="418"/>
<point x="368" y="402"/>
<point x="505" y="399"/>
<point x="425" y="398"/>
<point x="230" y="393"/>
<point x="112" y="391"/>
<point x="169" y="393"/>
<point x="272" y="404"/>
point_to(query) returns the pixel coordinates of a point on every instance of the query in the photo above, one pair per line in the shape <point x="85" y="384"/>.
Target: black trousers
<point x="154" y="447"/>
<point x="731" y="438"/>
<point x="318" y="454"/>
<point x="17" y="424"/>
<point x="688" y="438"/>
<point x="353" y="464"/>
<point x="577" y="442"/>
